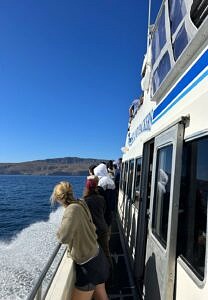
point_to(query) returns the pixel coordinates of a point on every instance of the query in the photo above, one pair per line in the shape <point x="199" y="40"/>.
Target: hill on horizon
<point x="72" y="166"/>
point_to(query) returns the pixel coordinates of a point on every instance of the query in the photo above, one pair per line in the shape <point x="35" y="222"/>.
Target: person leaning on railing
<point x="96" y="205"/>
<point x="79" y="233"/>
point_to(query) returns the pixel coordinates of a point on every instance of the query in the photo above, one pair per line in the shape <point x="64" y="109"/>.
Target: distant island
<point x="73" y="166"/>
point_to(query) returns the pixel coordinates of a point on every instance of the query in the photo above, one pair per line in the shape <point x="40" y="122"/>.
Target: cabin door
<point x="162" y="228"/>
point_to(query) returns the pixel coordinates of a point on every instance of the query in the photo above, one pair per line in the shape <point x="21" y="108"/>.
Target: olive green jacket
<point x="78" y="232"/>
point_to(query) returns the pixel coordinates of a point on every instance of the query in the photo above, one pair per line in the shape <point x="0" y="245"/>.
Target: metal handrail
<point x="54" y="274"/>
<point x="36" y="292"/>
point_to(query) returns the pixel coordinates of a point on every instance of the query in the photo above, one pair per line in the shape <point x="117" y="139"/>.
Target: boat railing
<point x="37" y="291"/>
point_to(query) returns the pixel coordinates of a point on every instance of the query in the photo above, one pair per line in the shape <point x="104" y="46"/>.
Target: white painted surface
<point x="189" y="289"/>
<point x="63" y="281"/>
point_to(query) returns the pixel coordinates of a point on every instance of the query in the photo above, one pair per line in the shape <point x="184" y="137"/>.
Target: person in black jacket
<point x="107" y="189"/>
<point x="97" y="206"/>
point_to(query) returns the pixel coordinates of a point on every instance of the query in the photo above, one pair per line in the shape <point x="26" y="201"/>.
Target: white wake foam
<point x="23" y="258"/>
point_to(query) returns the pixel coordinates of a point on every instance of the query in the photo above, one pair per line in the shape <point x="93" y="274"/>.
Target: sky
<point x="69" y="71"/>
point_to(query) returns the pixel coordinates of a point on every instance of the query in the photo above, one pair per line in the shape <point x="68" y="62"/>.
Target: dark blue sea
<point x="28" y="226"/>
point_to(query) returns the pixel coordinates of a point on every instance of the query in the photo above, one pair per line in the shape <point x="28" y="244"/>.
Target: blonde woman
<point x="78" y="232"/>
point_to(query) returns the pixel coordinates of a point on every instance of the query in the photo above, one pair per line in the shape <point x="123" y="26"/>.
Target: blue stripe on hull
<point x="200" y="65"/>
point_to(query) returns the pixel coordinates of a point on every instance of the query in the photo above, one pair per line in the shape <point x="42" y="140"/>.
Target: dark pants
<point x="103" y="241"/>
<point x="92" y="273"/>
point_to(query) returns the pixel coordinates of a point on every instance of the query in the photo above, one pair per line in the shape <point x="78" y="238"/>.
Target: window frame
<point x="134" y="202"/>
<point x="185" y="263"/>
<point x="155" y="215"/>
<point x="129" y="189"/>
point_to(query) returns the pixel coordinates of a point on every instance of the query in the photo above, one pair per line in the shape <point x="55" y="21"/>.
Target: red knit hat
<point x="91" y="184"/>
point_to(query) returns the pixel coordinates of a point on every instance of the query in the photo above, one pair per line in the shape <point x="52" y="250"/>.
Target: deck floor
<point x="121" y="284"/>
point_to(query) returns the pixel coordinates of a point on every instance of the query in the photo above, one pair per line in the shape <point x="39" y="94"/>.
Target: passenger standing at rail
<point x="96" y="205"/>
<point x="91" y="170"/>
<point x="78" y="232"/>
<point x="106" y="187"/>
<point x="110" y="169"/>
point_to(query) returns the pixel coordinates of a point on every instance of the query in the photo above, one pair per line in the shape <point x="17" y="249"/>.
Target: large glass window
<point x="161" y="71"/>
<point x="192" y="228"/>
<point x="180" y="42"/>
<point x="162" y="194"/>
<point x="177" y="12"/>
<point x="159" y="38"/>
<point x="137" y="182"/>
<point x="130" y="178"/>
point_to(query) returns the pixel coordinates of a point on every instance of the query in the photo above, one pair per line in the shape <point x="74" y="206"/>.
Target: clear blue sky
<point x="68" y="73"/>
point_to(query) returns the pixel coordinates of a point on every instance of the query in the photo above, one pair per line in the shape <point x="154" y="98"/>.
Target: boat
<point x="164" y="183"/>
<point x="161" y="224"/>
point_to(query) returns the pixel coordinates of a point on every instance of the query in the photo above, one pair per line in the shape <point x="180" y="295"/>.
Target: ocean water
<point x="28" y="226"/>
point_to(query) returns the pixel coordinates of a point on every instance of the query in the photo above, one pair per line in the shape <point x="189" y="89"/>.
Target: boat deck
<point x="121" y="284"/>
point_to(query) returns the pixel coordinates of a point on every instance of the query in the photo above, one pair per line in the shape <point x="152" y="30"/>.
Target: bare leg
<point x="100" y="292"/>
<point x="81" y="295"/>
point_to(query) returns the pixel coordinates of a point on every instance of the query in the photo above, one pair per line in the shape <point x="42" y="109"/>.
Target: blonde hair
<point x="63" y="193"/>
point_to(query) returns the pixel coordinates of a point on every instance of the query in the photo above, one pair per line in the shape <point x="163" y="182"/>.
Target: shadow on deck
<point x="121" y="284"/>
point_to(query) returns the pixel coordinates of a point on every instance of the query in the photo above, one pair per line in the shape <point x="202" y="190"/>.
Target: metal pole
<point x="149" y="22"/>
<point x="35" y="291"/>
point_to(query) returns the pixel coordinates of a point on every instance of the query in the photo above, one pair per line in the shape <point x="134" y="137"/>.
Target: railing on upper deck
<point x="36" y="292"/>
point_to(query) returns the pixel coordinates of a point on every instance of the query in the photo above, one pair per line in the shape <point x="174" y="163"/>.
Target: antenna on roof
<point x="149" y="23"/>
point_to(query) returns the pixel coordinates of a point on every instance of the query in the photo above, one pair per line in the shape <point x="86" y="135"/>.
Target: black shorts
<point x="92" y="273"/>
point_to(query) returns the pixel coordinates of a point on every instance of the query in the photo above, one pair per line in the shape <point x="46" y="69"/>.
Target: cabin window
<point x="162" y="194"/>
<point x="180" y="42"/>
<point x="137" y="182"/>
<point x="161" y="71"/>
<point x="121" y="177"/>
<point x="199" y="11"/>
<point x="192" y="226"/>
<point x="130" y="178"/>
<point x="125" y="176"/>
<point x="177" y="13"/>
<point x="159" y="38"/>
